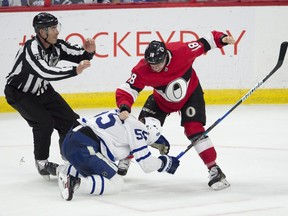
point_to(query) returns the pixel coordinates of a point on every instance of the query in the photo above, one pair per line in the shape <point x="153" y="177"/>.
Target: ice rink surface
<point x="252" y="148"/>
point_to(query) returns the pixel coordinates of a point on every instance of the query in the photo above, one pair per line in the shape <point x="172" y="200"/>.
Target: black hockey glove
<point x="124" y="107"/>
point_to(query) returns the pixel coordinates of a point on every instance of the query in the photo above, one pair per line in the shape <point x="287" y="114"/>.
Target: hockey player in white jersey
<point x="95" y="145"/>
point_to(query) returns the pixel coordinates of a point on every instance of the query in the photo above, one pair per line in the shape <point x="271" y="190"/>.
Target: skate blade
<point x="46" y="177"/>
<point x="220" y="185"/>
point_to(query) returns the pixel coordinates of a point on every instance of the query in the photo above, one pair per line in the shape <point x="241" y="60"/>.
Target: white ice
<point x="252" y="151"/>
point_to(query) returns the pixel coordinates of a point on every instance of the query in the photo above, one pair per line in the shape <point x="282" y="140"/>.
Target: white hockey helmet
<point x="154" y="128"/>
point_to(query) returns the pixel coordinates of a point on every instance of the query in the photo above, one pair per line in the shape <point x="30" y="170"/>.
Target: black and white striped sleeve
<point x="39" y="66"/>
<point x="73" y="53"/>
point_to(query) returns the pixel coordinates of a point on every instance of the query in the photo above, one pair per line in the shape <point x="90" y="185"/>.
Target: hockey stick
<point x="195" y="140"/>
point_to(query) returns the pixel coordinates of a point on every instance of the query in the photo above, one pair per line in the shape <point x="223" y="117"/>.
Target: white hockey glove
<point x="162" y="145"/>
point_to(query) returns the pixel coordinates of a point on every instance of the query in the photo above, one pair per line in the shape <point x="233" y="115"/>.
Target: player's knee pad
<point x="192" y="129"/>
<point x="151" y="109"/>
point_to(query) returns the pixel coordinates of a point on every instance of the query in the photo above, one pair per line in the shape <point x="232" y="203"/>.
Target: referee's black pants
<point x="43" y="113"/>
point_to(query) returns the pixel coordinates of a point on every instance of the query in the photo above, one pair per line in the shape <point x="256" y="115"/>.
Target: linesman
<point x="28" y="89"/>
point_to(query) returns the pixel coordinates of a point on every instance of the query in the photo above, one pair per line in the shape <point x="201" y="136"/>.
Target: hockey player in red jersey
<point x="168" y="69"/>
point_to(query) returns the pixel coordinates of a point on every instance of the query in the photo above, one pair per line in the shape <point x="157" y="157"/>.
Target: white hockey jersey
<point x="121" y="138"/>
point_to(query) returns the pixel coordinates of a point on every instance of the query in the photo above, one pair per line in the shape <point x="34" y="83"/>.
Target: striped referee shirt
<point x="34" y="66"/>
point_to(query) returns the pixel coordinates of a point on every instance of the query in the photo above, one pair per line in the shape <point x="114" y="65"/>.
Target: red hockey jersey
<point x="176" y="82"/>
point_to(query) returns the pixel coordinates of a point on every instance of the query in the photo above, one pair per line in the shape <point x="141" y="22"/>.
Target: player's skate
<point x="217" y="179"/>
<point x="51" y="167"/>
<point x="67" y="185"/>
<point x="46" y="168"/>
<point x="123" y="166"/>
